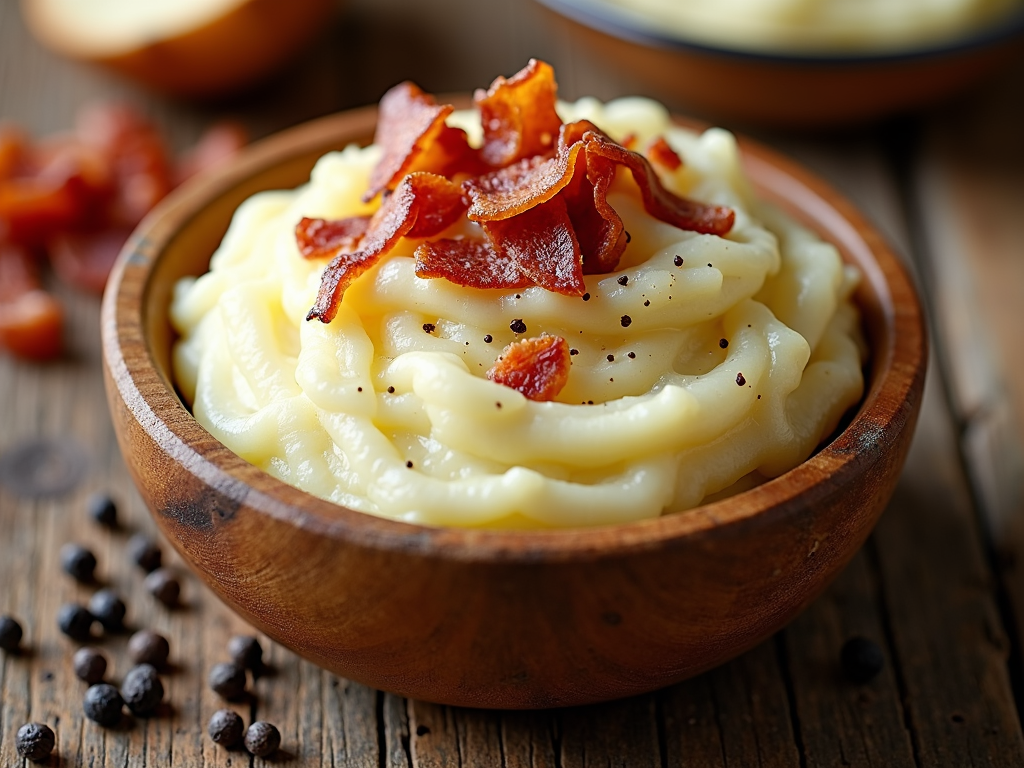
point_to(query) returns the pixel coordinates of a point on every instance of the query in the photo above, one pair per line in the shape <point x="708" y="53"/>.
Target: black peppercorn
<point x="103" y="704"/>
<point x="109" y="609"/>
<point x="162" y="585"/>
<point x="142" y="690"/>
<point x="626" y="321"/>
<point x="78" y="562"/>
<point x="228" y="679"/>
<point x="517" y="325"/>
<point x="75" y="621"/>
<point x="148" y="647"/>
<point x="246" y="651"/>
<point x="226" y="728"/>
<point x="90" y="665"/>
<point x="586" y="297"/>
<point x="10" y="634"/>
<point x="623" y="280"/>
<point x="862" y="659"/>
<point x="35" y="741"/>
<point x="144" y="552"/>
<point x="488" y="338"/>
<point x="740" y="380"/>
<point x="102" y="509"/>
<point x="262" y="739"/>
<point x="723" y="343"/>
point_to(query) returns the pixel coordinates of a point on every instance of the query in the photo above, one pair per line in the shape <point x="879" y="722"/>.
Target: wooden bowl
<point x="502" y="619"/>
<point x="789" y="90"/>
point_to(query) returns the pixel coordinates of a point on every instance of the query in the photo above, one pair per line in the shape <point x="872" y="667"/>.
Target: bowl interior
<point x="179" y="237"/>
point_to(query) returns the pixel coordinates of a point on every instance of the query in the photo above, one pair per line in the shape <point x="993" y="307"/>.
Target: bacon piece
<point x="31" y="319"/>
<point x="543" y="246"/>
<point x="412" y="132"/>
<point x="532" y="181"/>
<point x="218" y="144"/>
<point x="472" y="262"/>
<point x="658" y="201"/>
<point x="518" y="115"/>
<point x="661" y="153"/>
<point x="85" y="259"/>
<point x="537" y="368"/>
<point x="423" y="205"/>
<point x="325" y="237"/>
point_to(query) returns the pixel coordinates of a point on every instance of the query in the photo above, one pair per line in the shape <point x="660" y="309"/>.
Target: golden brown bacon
<point x="537" y="188"/>
<point x="537" y="368"/>
<point x="661" y="153"/>
<point x="518" y="115"/>
<point x="471" y="262"/>
<point x="658" y="201"/>
<point x="543" y="246"/>
<point x="323" y="237"/>
<point x="412" y="133"/>
<point x="423" y="205"/>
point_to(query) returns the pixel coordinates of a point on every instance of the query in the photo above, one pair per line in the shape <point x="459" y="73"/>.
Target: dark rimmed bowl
<point x="503" y="619"/>
<point x="788" y="90"/>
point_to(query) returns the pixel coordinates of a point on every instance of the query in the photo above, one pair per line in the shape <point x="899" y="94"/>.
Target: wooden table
<point x="939" y="585"/>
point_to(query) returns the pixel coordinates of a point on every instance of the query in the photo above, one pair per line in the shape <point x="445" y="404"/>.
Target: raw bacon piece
<point x="537" y="368"/>
<point x="661" y="153"/>
<point x="325" y="237"/>
<point x="518" y="115"/>
<point x="471" y="262"/>
<point x="543" y="246"/>
<point x="423" y="205"/>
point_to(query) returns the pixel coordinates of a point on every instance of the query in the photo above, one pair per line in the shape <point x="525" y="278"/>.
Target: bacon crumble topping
<point x="537" y="188"/>
<point x="538" y="368"/>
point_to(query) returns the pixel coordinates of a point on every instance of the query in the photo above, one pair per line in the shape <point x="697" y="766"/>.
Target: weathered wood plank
<point x="842" y="723"/>
<point x="737" y="714"/>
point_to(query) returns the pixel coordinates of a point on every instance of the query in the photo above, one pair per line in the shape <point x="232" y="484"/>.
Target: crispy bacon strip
<point x="538" y="367"/>
<point x="325" y="237"/>
<point x="533" y="181"/>
<point x="408" y="122"/>
<point x="659" y="202"/>
<point x="423" y="205"/>
<point x="661" y="153"/>
<point x="472" y="262"/>
<point x="518" y="115"/>
<point x="543" y="246"/>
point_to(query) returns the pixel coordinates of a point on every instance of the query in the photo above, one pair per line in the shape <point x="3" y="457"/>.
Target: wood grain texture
<point x="711" y="720"/>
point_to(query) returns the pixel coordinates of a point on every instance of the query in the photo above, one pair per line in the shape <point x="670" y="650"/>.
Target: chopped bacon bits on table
<point x="74" y="198"/>
<point x="537" y="368"/>
<point x="537" y="188"/>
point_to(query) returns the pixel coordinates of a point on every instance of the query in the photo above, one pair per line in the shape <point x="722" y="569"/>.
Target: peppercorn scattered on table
<point x="911" y="658"/>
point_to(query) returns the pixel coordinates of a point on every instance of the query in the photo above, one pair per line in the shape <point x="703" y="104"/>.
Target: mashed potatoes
<point x="702" y="364"/>
<point x="812" y="26"/>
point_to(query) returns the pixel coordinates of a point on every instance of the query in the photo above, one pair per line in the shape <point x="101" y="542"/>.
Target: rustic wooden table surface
<point x="939" y="586"/>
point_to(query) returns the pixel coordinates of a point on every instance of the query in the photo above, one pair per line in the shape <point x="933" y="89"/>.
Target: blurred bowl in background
<point x="193" y="48"/>
<point x="799" y="89"/>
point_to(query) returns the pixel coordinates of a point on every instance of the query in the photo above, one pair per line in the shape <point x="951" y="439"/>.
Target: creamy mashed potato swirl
<point x="719" y="362"/>
<point x="814" y="26"/>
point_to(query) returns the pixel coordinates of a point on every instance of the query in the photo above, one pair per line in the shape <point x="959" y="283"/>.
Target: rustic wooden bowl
<point x="503" y="619"/>
<point x="790" y="90"/>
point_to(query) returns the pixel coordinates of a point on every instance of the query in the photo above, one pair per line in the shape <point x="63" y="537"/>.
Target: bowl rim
<point x="604" y="18"/>
<point x="887" y="406"/>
